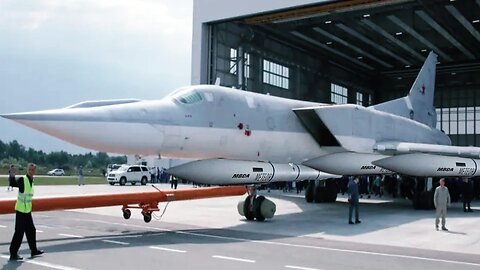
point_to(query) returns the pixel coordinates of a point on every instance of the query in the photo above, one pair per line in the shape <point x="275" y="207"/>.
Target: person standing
<point x="467" y="195"/>
<point x="12" y="171"/>
<point x="441" y="199"/>
<point x="23" y="216"/>
<point x="174" y="182"/>
<point x="80" y="176"/>
<point x="376" y="186"/>
<point x="353" y="199"/>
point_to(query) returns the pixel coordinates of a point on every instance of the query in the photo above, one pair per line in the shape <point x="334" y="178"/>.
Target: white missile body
<point x="426" y="165"/>
<point x="230" y="172"/>
<point x="348" y="163"/>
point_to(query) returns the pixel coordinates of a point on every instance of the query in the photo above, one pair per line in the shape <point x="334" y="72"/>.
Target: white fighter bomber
<point x="246" y="138"/>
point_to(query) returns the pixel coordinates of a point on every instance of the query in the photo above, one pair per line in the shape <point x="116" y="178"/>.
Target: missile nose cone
<point x="184" y="171"/>
<point x="384" y="163"/>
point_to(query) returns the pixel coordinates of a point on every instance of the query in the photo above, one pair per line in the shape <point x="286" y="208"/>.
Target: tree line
<point x="15" y="153"/>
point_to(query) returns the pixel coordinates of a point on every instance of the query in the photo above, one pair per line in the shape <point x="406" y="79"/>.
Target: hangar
<point x="355" y="51"/>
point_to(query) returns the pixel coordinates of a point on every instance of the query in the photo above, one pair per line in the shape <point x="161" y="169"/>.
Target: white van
<point x="129" y="174"/>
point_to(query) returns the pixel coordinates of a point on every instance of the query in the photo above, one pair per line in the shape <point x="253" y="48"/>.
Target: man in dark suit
<point x="353" y="199"/>
<point x="467" y="195"/>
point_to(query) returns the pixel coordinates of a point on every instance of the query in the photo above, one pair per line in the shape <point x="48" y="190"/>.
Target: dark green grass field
<point x="61" y="180"/>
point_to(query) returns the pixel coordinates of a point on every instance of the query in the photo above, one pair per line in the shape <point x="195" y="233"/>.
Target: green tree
<point x="3" y="150"/>
<point x="15" y="153"/>
<point x="14" y="149"/>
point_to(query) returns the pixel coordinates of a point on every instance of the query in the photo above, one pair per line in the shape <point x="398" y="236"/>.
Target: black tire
<point x="429" y="200"/>
<point x="332" y="191"/>
<point x="320" y="194"/>
<point x="416" y="201"/>
<point x="257" y="204"/>
<point x="123" y="181"/>
<point x="143" y="181"/>
<point x="147" y="217"/>
<point x="134" y="183"/>
<point x="309" y="191"/>
<point x="246" y="209"/>
<point x="127" y="213"/>
<point x="423" y="200"/>
<point x="111" y="183"/>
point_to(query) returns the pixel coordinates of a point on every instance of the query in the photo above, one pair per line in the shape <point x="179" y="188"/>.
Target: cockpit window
<point x="188" y="97"/>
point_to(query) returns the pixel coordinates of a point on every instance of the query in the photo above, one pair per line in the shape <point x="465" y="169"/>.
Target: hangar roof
<point x="390" y="37"/>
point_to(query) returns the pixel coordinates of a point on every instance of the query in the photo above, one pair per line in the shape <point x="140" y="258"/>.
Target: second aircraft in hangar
<point x="245" y="138"/>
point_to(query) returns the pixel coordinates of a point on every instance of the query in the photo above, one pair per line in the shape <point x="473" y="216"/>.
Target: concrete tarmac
<point x="209" y="233"/>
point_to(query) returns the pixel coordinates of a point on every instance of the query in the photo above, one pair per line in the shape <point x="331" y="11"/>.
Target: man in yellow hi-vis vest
<point x="23" y="218"/>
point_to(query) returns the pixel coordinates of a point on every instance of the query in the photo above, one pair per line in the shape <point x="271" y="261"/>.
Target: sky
<point x="55" y="53"/>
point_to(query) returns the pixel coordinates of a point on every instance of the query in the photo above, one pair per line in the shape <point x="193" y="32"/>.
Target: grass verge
<point x="61" y="180"/>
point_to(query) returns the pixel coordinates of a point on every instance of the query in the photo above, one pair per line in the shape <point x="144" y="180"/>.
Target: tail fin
<point x="418" y="104"/>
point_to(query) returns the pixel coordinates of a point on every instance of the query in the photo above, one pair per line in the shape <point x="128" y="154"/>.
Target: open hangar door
<point x="357" y="51"/>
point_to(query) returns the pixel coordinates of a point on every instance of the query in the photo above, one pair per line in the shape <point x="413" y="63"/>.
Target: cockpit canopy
<point x="187" y="96"/>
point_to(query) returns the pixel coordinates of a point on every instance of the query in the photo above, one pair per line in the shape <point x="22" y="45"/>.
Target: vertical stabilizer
<point x="418" y="105"/>
<point x="423" y="89"/>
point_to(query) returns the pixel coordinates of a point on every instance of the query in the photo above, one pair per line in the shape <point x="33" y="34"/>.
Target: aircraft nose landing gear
<point x="254" y="207"/>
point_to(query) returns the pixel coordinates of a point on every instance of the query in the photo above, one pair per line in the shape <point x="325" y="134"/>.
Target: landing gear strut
<point x="423" y="194"/>
<point x="256" y="207"/>
<point x="321" y="191"/>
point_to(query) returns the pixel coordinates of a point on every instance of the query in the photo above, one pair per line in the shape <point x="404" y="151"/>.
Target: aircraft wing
<point x="147" y="201"/>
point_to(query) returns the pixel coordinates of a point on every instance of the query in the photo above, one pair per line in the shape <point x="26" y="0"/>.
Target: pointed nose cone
<point x="41" y="120"/>
<point x="117" y="129"/>
<point x="32" y="116"/>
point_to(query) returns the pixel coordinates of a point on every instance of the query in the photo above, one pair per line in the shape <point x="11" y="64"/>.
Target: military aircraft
<point x="246" y="138"/>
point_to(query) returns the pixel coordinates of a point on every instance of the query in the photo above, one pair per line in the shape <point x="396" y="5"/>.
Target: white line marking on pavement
<point x="39" y="231"/>
<point x="286" y="244"/>
<point x="168" y="249"/>
<point x="233" y="259"/>
<point x="2" y="226"/>
<point x="126" y="236"/>
<point x="70" y="235"/>
<point x="300" y="268"/>
<point x="44" y="264"/>
<point x="116" y="242"/>
<point x="155" y="234"/>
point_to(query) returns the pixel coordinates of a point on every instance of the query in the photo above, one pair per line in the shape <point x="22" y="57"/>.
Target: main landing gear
<point x="321" y="191"/>
<point x="147" y="210"/>
<point x="256" y="207"/>
<point x="423" y="194"/>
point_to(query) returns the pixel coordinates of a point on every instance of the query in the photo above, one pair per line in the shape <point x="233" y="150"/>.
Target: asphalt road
<point x="74" y="240"/>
